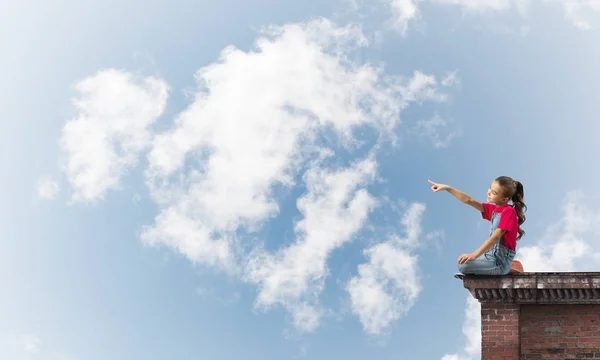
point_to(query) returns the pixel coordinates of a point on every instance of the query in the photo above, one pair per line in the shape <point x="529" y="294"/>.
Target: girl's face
<point x="495" y="196"/>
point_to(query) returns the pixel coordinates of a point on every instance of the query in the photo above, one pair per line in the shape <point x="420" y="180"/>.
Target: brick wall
<point x="538" y="316"/>
<point x="500" y="331"/>
<point x="560" y="332"/>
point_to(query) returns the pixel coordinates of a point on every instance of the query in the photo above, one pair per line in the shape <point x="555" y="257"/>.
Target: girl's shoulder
<point x="505" y="208"/>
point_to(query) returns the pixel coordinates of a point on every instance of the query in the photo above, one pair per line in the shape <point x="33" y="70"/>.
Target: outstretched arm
<point x="466" y="199"/>
<point x="461" y="196"/>
<point x="488" y="244"/>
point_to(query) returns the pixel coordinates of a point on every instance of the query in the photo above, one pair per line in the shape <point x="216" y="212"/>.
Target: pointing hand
<point x="438" y="187"/>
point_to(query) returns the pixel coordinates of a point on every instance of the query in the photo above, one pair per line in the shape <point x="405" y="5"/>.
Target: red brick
<point x="539" y="316"/>
<point x="572" y="334"/>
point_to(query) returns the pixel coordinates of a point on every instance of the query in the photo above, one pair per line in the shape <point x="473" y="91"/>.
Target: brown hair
<point x="514" y="191"/>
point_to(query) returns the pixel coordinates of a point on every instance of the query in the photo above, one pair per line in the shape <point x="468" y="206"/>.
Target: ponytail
<point x="520" y="207"/>
<point x="514" y="190"/>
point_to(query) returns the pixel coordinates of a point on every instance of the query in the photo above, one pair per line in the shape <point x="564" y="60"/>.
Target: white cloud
<point x="563" y="247"/>
<point x="258" y="121"/>
<point x="387" y="285"/>
<point x="103" y="141"/>
<point x="478" y="5"/>
<point x="472" y="330"/>
<point x="27" y="343"/>
<point x="253" y="126"/>
<point x="580" y="13"/>
<point x="30" y="343"/>
<point x="335" y="207"/>
<point x="433" y="130"/>
<point x="451" y="357"/>
<point x="422" y="87"/>
<point x="451" y="79"/>
<point x="404" y="11"/>
<point x="47" y="188"/>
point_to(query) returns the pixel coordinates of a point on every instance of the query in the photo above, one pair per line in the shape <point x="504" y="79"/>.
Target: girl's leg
<point x="483" y="265"/>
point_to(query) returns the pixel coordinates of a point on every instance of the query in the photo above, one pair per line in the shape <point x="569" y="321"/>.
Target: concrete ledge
<point x="536" y="288"/>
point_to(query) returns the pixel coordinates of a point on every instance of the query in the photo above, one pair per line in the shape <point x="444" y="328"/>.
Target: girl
<point x="496" y="254"/>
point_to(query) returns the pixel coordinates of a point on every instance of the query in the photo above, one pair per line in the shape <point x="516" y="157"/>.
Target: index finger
<point x="431" y="181"/>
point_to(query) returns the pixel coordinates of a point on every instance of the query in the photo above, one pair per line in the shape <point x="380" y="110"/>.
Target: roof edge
<point x="536" y="288"/>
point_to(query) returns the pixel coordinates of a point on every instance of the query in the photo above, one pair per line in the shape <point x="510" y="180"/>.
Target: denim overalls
<point x="496" y="261"/>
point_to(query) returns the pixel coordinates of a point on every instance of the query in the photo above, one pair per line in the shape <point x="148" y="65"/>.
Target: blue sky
<point x="249" y="180"/>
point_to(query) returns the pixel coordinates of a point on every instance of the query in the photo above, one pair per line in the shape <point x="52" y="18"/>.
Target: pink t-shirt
<point x="503" y="217"/>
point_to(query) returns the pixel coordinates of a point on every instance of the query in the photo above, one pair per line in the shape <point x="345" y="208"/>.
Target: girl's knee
<point x="479" y="268"/>
<point x="464" y="268"/>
